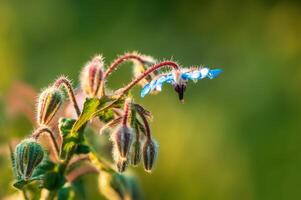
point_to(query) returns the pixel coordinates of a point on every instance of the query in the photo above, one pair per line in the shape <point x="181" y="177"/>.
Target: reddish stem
<point x="65" y="82"/>
<point x="37" y="133"/>
<point x="148" y="71"/>
<point x="120" y="60"/>
<point x="126" y="113"/>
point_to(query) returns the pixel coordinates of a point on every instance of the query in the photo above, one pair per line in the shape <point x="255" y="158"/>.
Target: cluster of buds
<point x="129" y="144"/>
<point x="29" y="153"/>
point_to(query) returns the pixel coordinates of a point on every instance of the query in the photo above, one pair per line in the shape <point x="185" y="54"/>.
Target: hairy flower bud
<point x="123" y="138"/>
<point x="150" y="152"/>
<point x="28" y="155"/>
<point x="135" y="154"/>
<point x="48" y="104"/>
<point x="92" y="76"/>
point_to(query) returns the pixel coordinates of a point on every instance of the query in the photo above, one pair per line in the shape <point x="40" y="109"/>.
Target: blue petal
<point x="156" y="84"/>
<point x="213" y="73"/>
<point x="145" y="90"/>
<point x="193" y="75"/>
<point x="169" y="78"/>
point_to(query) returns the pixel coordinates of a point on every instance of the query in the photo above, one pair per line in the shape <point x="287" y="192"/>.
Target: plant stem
<point x="126" y="112"/>
<point x="25" y="195"/>
<point x="66" y="83"/>
<point x="120" y="60"/>
<point x="37" y="133"/>
<point x="114" y="65"/>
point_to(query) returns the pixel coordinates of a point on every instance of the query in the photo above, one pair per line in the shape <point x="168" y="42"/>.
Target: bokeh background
<point x="236" y="137"/>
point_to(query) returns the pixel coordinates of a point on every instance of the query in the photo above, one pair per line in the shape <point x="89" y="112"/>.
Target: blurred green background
<point x="236" y="137"/>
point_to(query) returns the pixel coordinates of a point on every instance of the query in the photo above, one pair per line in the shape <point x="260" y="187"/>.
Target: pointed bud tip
<point x="150" y="152"/>
<point x="91" y="76"/>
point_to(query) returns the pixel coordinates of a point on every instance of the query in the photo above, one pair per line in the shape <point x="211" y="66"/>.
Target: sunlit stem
<point x="66" y="83"/>
<point x="116" y="63"/>
<point x="37" y="133"/>
<point x="169" y="64"/>
<point x="80" y="171"/>
<point x="126" y="112"/>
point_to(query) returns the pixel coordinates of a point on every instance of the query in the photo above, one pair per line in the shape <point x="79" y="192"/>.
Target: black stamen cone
<point x="180" y="89"/>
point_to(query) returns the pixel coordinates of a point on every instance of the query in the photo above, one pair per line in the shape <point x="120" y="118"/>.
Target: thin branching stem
<point x="37" y="133"/>
<point x="66" y="83"/>
<point x="116" y="63"/>
<point x="120" y="60"/>
<point x="126" y="113"/>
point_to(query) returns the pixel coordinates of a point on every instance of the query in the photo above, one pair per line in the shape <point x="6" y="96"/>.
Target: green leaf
<point x="90" y="107"/>
<point x="94" y="107"/>
<point x="69" y="141"/>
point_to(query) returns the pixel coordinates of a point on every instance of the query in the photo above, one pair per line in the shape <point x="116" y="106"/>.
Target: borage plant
<point x="51" y="170"/>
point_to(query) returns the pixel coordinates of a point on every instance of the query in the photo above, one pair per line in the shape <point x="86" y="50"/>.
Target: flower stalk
<point x="66" y="83"/>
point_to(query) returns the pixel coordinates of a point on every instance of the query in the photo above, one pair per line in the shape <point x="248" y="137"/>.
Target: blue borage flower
<point x="179" y="79"/>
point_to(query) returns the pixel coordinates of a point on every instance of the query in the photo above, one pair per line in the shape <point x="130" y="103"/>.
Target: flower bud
<point x="150" y="152"/>
<point x="135" y="154"/>
<point x="28" y="155"/>
<point x="123" y="138"/>
<point x="91" y="76"/>
<point x="48" y="104"/>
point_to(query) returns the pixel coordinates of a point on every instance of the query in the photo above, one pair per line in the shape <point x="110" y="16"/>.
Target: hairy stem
<point x="126" y="113"/>
<point x="115" y="64"/>
<point x="120" y="60"/>
<point x="66" y="83"/>
<point x="37" y="133"/>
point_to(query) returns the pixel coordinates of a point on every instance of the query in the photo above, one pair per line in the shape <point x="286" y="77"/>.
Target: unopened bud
<point x="150" y="152"/>
<point x="48" y="104"/>
<point x="123" y="138"/>
<point x="135" y="154"/>
<point x="28" y="155"/>
<point x="92" y="76"/>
